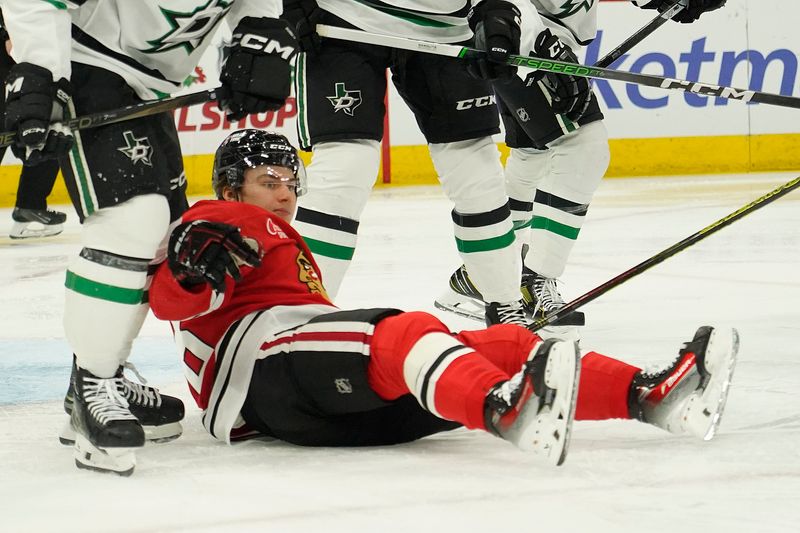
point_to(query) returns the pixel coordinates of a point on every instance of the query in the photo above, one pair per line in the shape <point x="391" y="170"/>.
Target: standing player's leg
<point x="120" y="178"/>
<point x="31" y="216"/>
<point x="457" y="115"/>
<point x="340" y="92"/>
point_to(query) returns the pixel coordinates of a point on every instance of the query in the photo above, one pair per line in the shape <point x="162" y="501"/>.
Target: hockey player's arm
<point x="41" y="33"/>
<point x="170" y="300"/>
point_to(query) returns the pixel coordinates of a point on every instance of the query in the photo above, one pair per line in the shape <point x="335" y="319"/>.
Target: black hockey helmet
<point x="250" y="148"/>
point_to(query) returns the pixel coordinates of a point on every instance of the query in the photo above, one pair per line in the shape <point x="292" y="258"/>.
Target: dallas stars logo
<point x="189" y="29"/>
<point x="344" y="100"/>
<point x="570" y="7"/>
<point x="137" y="149"/>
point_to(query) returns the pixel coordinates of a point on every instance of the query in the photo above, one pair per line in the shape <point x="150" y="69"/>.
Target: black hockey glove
<point x="205" y="252"/>
<point x="568" y="95"/>
<point x="496" y="27"/>
<point x="35" y="109"/>
<point x="303" y="16"/>
<point x="692" y="12"/>
<point x="256" y="70"/>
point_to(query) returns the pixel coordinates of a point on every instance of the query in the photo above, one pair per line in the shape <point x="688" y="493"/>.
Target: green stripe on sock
<point x="101" y="291"/>
<point x="327" y="249"/>
<point x="485" y="245"/>
<point x="300" y="80"/>
<point x="555" y="227"/>
<point x="59" y="5"/>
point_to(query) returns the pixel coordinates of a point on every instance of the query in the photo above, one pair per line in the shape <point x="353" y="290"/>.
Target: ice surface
<point x="619" y="476"/>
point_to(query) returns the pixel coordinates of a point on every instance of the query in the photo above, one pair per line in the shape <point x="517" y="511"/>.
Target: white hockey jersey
<point x="441" y="21"/>
<point x="153" y="44"/>
<point x="574" y="21"/>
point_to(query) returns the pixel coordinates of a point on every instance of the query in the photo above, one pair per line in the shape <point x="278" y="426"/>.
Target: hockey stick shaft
<point x="647" y="264"/>
<point x="641" y="35"/>
<point x="559" y="67"/>
<point x="130" y="112"/>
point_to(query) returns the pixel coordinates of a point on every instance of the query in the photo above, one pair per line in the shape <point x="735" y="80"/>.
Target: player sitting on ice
<point x="265" y="351"/>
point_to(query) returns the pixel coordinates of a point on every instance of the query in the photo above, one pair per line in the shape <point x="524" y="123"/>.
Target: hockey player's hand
<point x="206" y="252"/>
<point x="496" y="27"/>
<point x="35" y="108"/>
<point x="690" y="13"/>
<point x="568" y="95"/>
<point x="256" y="70"/>
<point x="303" y="15"/>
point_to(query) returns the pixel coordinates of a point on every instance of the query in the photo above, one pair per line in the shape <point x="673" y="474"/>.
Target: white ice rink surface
<point x="620" y="475"/>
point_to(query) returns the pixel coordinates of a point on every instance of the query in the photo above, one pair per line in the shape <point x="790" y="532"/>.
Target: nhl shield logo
<point x="343" y="386"/>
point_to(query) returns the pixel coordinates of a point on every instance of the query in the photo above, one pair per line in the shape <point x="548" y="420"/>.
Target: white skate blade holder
<point x="546" y="431"/>
<point x="703" y="413"/>
<point x="120" y="461"/>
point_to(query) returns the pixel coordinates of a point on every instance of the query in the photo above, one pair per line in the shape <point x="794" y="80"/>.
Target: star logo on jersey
<point x="570" y="7"/>
<point x="188" y="29"/>
<point x="138" y="149"/>
<point x="344" y="100"/>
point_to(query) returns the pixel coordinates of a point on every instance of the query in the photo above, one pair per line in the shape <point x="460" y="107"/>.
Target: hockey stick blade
<point x="559" y="67"/>
<point x="639" y="36"/>
<point x="130" y="112"/>
<point x="680" y="246"/>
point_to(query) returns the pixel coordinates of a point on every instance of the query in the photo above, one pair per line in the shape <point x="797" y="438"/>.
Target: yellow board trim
<point x="411" y="165"/>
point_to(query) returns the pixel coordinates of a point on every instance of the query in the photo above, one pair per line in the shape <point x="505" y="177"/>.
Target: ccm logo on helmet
<point x="269" y="46"/>
<point x="482" y="101"/>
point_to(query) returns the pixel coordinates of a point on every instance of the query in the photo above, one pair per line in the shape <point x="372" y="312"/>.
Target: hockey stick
<point x="665" y="254"/>
<point x="130" y="112"/>
<point x="640" y="35"/>
<point x="559" y="67"/>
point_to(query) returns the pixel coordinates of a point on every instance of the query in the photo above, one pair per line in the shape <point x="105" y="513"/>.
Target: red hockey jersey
<point x="286" y="283"/>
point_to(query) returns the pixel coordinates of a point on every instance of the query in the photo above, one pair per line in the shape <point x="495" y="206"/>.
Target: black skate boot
<point x="689" y="395"/>
<point x="159" y="414"/>
<point x="462" y="297"/>
<point x="106" y="433"/>
<point x="534" y="410"/>
<point x="506" y="313"/>
<point x="542" y="298"/>
<point x="31" y="223"/>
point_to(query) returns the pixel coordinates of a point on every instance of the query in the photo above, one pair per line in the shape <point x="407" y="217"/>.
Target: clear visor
<point x="268" y="162"/>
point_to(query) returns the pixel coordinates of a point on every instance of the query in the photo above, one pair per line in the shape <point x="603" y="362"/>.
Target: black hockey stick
<point x="665" y="254"/>
<point x="130" y="112"/>
<point x="559" y="67"/>
<point x="640" y="35"/>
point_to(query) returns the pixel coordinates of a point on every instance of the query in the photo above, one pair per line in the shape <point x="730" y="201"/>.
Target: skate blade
<point x="461" y="305"/>
<point x="549" y="434"/>
<point x="120" y="461"/>
<point x="704" y="414"/>
<point x="34" y="230"/>
<point x="157" y="434"/>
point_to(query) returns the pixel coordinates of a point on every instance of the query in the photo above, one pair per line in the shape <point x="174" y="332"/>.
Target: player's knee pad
<point x="471" y="174"/>
<point x="133" y="229"/>
<point x="341" y="176"/>
<point x="578" y="163"/>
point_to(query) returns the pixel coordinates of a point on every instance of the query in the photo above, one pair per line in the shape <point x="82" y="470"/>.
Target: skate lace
<point x="505" y="395"/>
<point x="137" y="393"/>
<point x="104" y="401"/>
<point x="548" y="299"/>
<point x="657" y="370"/>
<point x="512" y="313"/>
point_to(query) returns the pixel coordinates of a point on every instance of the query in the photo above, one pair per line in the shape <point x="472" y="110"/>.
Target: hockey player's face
<point x="272" y="188"/>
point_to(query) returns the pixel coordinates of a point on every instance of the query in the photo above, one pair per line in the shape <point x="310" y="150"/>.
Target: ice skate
<point x="159" y="414"/>
<point x="462" y="297"/>
<point x="106" y="433"/>
<point x="542" y="298"/>
<point x="534" y="410"/>
<point x="689" y="395"/>
<point x="33" y="223"/>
